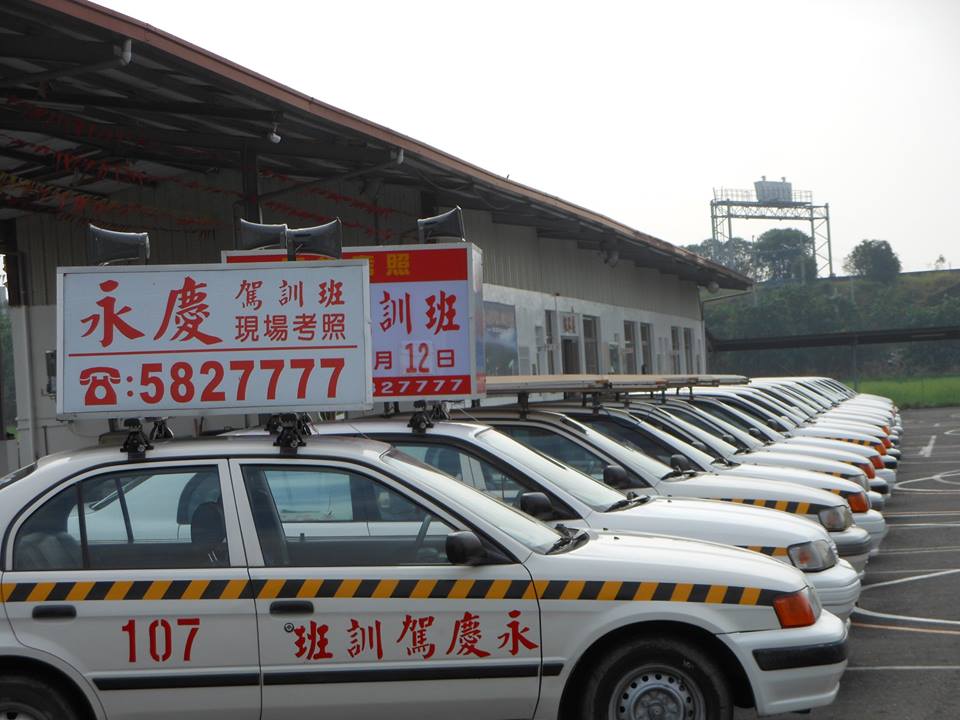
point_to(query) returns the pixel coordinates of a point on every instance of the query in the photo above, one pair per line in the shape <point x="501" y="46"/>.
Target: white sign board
<point x="149" y="341"/>
<point x="427" y="318"/>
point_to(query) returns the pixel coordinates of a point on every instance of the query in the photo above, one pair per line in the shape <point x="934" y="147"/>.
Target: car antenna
<point x="137" y="443"/>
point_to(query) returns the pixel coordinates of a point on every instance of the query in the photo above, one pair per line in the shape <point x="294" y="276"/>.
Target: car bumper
<point x="853" y="545"/>
<point x="838" y="588"/>
<point x="877" y="500"/>
<point x="873" y="523"/>
<point x="887" y="476"/>
<point x="803" y="665"/>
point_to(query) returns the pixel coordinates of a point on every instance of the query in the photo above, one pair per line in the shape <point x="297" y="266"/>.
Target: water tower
<point x="774" y="200"/>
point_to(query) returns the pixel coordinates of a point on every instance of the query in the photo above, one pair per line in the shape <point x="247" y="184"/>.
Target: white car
<point x="591" y="452"/>
<point x="207" y="602"/>
<point x="488" y="460"/>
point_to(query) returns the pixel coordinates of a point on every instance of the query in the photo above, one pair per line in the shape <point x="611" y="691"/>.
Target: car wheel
<point x="657" y="679"/>
<point x="23" y="698"/>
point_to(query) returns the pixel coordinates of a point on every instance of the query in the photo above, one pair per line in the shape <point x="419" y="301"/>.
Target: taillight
<point x="880" y="448"/>
<point x="858" y="502"/>
<point x="795" y="610"/>
<point x="877" y="462"/>
<point x="886" y="429"/>
<point x="868" y="469"/>
<point x="886" y="442"/>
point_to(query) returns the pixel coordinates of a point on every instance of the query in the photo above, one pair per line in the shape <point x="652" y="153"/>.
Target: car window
<point x="557" y="446"/>
<point x="170" y="518"/>
<point x="455" y="461"/>
<point x="630" y="437"/>
<point x="328" y="517"/>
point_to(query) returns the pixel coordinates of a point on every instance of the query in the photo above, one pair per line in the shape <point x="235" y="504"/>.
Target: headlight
<point x="813" y="556"/>
<point x="836" y="519"/>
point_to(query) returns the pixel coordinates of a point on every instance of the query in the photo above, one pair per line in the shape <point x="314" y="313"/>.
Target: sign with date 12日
<point x="145" y="341"/>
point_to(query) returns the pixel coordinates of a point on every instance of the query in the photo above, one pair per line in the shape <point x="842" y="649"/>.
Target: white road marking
<point x="927" y="449"/>
<point x="920" y="550"/>
<point x="908" y="618"/>
<point x="924" y="525"/>
<point x="909" y="579"/>
<point x="855" y="668"/>
<point x="904" y="572"/>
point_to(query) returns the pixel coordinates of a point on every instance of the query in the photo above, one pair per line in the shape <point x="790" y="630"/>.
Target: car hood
<point x="650" y="558"/>
<point x="815" y="451"/>
<point x="808" y="478"/>
<point x="710" y="520"/>
<point x="790" y="460"/>
<point x="730" y="485"/>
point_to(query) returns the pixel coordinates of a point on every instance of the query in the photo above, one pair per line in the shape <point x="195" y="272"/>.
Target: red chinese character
<point x="333" y="327"/>
<point x="446" y="358"/>
<point x="248" y="328"/>
<point x="305" y="326"/>
<point x="442" y="313"/>
<point x="466" y="635"/>
<point x="248" y="289"/>
<point x="111" y="318"/>
<point x="395" y="312"/>
<point x="363" y="639"/>
<point x="311" y="642"/>
<point x="291" y="292"/>
<point x="331" y="293"/>
<point x="417" y="628"/>
<point x="191" y="311"/>
<point x="383" y="360"/>
<point x="275" y="327"/>
<point x="516" y="635"/>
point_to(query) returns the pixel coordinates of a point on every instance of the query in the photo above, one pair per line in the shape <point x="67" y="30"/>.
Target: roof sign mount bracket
<point x="137" y="443"/>
<point x="291" y="429"/>
<point x="422" y="419"/>
<point x="523" y="400"/>
<point x="160" y="429"/>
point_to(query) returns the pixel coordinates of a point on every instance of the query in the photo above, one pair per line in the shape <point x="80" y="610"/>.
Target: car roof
<point x="222" y="446"/>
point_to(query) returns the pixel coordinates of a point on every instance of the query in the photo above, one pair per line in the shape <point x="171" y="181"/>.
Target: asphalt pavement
<point x="905" y="637"/>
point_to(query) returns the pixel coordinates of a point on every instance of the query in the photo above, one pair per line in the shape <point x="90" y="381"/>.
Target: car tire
<point x="24" y="698"/>
<point x="656" y="677"/>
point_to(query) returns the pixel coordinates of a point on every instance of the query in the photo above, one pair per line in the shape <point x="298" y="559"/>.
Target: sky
<point x="638" y="110"/>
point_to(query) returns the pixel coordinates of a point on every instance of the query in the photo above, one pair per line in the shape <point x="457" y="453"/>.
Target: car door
<point x="381" y="624"/>
<point x="135" y="575"/>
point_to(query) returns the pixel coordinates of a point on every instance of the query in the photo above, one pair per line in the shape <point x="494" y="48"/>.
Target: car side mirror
<point x="729" y="439"/>
<point x="536" y="504"/>
<point x="698" y="444"/>
<point x="775" y="424"/>
<point x="464" y="548"/>
<point x="616" y="477"/>
<point x="755" y="433"/>
<point x="679" y="462"/>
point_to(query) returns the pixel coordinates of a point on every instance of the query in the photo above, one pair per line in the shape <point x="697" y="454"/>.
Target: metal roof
<point x="177" y="107"/>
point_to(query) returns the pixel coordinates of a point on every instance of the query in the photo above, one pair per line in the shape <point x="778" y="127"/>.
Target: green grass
<point x="916" y="392"/>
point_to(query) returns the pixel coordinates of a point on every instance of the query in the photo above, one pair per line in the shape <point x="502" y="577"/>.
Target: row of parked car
<point x="589" y="547"/>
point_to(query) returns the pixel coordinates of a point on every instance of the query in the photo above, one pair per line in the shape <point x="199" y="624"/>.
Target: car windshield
<point x="587" y="490"/>
<point x="531" y="533"/>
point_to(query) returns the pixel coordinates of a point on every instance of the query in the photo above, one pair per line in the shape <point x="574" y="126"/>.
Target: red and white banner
<point x="427" y="318"/>
<point x="137" y="341"/>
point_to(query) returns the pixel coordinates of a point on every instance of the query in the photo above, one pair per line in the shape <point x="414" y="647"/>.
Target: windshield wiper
<point x="629" y="502"/>
<point x="568" y="542"/>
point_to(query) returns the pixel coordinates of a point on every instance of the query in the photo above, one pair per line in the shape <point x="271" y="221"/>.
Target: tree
<point x="873" y="260"/>
<point x="735" y="253"/>
<point x="784" y="254"/>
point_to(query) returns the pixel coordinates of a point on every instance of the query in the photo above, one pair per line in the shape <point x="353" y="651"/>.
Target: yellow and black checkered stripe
<point x="353" y="588"/>
<point x="797" y="508"/>
<point x="767" y="550"/>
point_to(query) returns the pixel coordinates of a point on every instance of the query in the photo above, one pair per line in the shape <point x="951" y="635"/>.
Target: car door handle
<point x="54" y="612"/>
<point x="291" y="607"/>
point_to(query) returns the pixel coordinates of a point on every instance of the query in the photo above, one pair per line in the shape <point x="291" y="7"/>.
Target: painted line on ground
<point x="920" y="550"/>
<point x="927" y="450"/>
<point x="904" y="572"/>
<point x="898" y="628"/>
<point x="913" y="578"/>
<point x="863" y="668"/>
<point x="914" y="526"/>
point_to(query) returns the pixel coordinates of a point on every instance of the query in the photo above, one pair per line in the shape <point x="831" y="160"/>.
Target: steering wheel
<point x="422" y="533"/>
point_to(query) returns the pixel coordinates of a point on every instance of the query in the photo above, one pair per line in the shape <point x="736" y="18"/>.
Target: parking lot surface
<point x="905" y="638"/>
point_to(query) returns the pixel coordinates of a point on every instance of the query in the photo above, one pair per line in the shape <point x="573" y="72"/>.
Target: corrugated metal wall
<point x="513" y="256"/>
